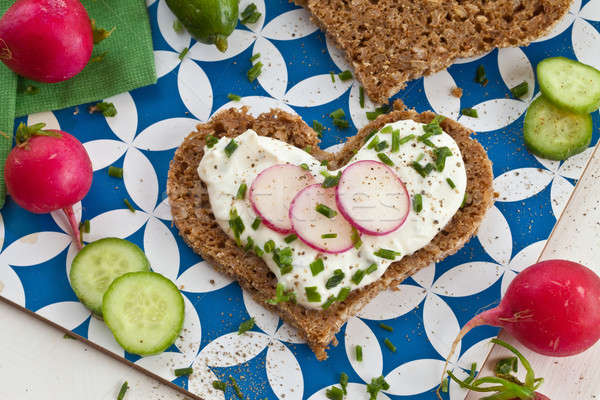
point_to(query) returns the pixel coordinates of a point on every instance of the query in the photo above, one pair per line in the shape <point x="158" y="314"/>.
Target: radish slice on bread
<point x="317" y="221"/>
<point x="272" y="191"/>
<point x="372" y="198"/>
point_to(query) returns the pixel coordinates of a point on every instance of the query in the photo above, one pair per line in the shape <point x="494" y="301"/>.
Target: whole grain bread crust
<point x="389" y="42"/>
<point x="193" y="216"/>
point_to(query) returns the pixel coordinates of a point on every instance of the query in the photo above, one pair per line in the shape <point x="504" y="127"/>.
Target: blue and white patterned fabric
<point x="272" y="361"/>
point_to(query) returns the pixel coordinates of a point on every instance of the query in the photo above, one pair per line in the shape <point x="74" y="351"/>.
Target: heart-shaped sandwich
<point x="314" y="235"/>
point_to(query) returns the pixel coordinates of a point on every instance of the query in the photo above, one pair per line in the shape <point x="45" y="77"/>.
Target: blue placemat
<point x="271" y="361"/>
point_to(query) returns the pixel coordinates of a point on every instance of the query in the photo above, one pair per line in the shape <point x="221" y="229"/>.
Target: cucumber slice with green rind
<point x="570" y="84"/>
<point x="144" y="311"/>
<point x="555" y="134"/>
<point x="99" y="263"/>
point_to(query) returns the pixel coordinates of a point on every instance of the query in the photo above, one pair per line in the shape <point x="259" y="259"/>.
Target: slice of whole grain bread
<point x="193" y="217"/>
<point x="389" y="42"/>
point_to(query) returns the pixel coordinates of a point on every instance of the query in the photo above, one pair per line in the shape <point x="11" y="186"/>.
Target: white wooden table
<point x="37" y="362"/>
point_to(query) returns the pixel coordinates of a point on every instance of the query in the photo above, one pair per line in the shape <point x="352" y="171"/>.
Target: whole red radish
<point x="46" y="40"/>
<point x="48" y="170"/>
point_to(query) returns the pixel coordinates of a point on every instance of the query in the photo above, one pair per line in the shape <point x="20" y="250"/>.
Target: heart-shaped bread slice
<point x="389" y="42"/>
<point x="193" y="216"/>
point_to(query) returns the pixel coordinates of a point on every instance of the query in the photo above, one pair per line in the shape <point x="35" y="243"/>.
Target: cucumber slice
<point x="144" y="311"/>
<point x="95" y="267"/>
<point x="570" y="84"/>
<point x="556" y="134"/>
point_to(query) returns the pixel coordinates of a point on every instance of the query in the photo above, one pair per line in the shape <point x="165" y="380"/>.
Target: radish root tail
<point x="75" y="233"/>
<point x="489" y="317"/>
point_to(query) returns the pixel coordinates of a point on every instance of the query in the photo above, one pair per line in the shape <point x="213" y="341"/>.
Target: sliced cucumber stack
<point x="99" y="263"/>
<point x="569" y="84"/>
<point x="555" y="134"/>
<point x="144" y="311"/>
<point x="558" y="124"/>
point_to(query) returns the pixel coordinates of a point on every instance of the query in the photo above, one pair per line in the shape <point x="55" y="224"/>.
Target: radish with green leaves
<point x="552" y="308"/>
<point x="46" y="40"/>
<point x="48" y="170"/>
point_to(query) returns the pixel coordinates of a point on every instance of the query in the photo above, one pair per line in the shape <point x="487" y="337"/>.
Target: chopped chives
<point x="254" y="57"/>
<point x="420" y="157"/>
<point x="332" y="76"/>
<point x="312" y="294"/>
<point x="304" y="166"/>
<point x="318" y="127"/>
<point x="183" y="53"/>
<point x="372" y="268"/>
<point x="334" y="393"/>
<point x="339" y="113"/>
<point x="290" y="238"/>
<point x="386" y="327"/>
<point x="283" y="259"/>
<point x="357" y="277"/>
<point x="387" y="254"/>
<point x="373" y="142"/>
<point x="359" y="354"/>
<point x="234" y="97"/>
<point x="250" y="15"/>
<point x="124" y="388"/>
<point x="341" y="123"/>
<point x="331" y="180"/>
<point x="405" y="139"/>
<point x="256" y="223"/>
<point x="335" y="279"/>
<point x="211" y="141"/>
<point x="343" y="294"/>
<point x="316" y="266"/>
<point x="480" y="76"/>
<point x="470" y="112"/>
<point x="107" y="109"/>
<point x="451" y="183"/>
<point x="236" y="388"/>
<point x="344" y="382"/>
<point x="422" y="170"/>
<point x="385" y="159"/>
<point x="356" y="241"/>
<point x="418" y="203"/>
<point x="258" y="251"/>
<point x="328" y="303"/>
<point x="395" y="141"/>
<point x="183" y="371"/>
<point x="324" y="163"/>
<point x="428" y="142"/>
<point x="249" y="244"/>
<point x="222" y="386"/>
<point x="84" y="226"/>
<point x="241" y="193"/>
<point x="361" y="97"/>
<point x="115" y="172"/>
<point x="255" y="71"/>
<point x="308" y="149"/>
<point x="326" y="211"/>
<point x="381" y="145"/>
<point x="246" y="326"/>
<point x="235" y="223"/>
<point x="269" y="246"/>
<point x="281" y="295"/>
<point x="520" y="90"/>
<point x="372" y="115"/>
<point x="441" y="153"/>
<point x="329" y="236"/>
<point x="376" y="385"/>
<point x="389" y="345"/>
<point x="464" y="202"/>
<point x="128" y="205"/>
<point x="230" y="148"/>
<point x="345" y="75"/>
<point x="386" y="129"/>
<point x="370" y="135"/>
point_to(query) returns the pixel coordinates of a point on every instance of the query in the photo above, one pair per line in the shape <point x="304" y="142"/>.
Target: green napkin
<point x="128" y="64"/>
